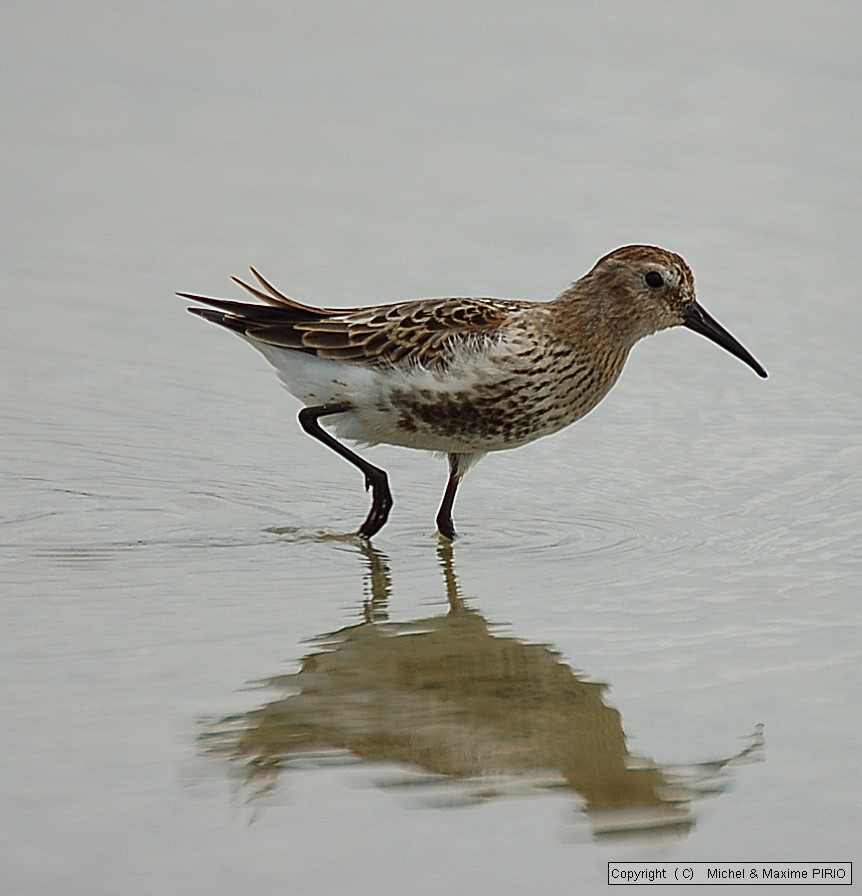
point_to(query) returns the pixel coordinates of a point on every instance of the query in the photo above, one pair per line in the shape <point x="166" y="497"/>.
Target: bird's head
<point x="646" y="289"/>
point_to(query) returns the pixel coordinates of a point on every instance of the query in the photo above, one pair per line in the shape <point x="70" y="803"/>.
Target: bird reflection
<point x="465" y="714"/>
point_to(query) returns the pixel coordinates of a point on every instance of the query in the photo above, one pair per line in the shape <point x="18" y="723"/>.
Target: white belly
<point x="482" y="404"/>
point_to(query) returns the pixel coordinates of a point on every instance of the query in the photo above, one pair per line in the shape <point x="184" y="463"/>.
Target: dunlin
<point x="465" y="376"/>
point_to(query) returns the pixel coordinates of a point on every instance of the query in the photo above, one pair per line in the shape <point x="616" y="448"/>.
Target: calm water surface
<point x="646" y="643"/>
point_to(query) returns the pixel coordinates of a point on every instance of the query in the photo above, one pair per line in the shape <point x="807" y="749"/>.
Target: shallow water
<point x="645" y="644"/>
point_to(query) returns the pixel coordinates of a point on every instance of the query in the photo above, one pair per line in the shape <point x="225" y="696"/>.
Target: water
<point x="685" y="561"/>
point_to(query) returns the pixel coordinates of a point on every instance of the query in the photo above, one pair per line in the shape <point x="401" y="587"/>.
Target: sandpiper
<point x="465" y="376"/>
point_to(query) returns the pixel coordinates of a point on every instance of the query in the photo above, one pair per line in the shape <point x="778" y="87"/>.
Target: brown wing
<point x="424" y="332"/>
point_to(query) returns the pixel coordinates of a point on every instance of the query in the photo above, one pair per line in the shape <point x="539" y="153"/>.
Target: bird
<point x="464" y="376"/>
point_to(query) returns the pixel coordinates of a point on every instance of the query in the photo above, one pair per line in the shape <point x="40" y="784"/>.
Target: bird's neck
<point x="590" y="320"/>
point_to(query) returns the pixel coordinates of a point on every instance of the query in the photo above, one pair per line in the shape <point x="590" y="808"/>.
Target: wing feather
<point x="426" y="332"/>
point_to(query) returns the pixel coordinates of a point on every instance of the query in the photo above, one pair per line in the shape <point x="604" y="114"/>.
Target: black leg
<point x="444" y="515"/>
<point x="376" y="478"/>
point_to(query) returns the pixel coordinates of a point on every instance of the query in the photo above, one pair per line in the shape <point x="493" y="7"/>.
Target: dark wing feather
<point x="424" y="332"/>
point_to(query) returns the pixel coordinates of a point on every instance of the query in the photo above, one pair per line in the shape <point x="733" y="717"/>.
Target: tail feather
<point x="250" y="313"/>
<point x="273" y="321"/>
<point x="224" y="320"/>
<point x="271" y="296"/>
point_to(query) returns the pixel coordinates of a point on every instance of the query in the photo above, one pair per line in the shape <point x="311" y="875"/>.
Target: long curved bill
<point x="698" y="320"/>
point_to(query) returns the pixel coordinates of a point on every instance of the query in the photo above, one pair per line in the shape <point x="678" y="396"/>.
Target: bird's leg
<point x="444" y="515"/>
<point x="375" y="478"/>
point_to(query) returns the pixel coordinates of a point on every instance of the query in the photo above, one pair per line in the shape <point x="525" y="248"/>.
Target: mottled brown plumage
<point x="465" y="376"/>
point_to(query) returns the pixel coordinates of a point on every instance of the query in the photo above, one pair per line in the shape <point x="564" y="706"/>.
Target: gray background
<point x="694" y="542"/>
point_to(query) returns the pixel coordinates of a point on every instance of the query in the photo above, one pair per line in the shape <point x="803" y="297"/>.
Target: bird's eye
<point x="654" y="279"/>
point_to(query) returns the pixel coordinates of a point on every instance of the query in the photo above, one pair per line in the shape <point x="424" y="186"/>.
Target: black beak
<point x="698" y="320"/>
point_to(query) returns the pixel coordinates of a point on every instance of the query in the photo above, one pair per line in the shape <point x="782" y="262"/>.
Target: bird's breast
<point x="491" y="406"/>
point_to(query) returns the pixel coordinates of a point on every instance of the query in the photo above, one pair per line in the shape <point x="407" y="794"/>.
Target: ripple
<point x="575" y="537"/>
<point x="585" y="536"/>
<point x="296" y="534"/>
<point x="572" y="538"/>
